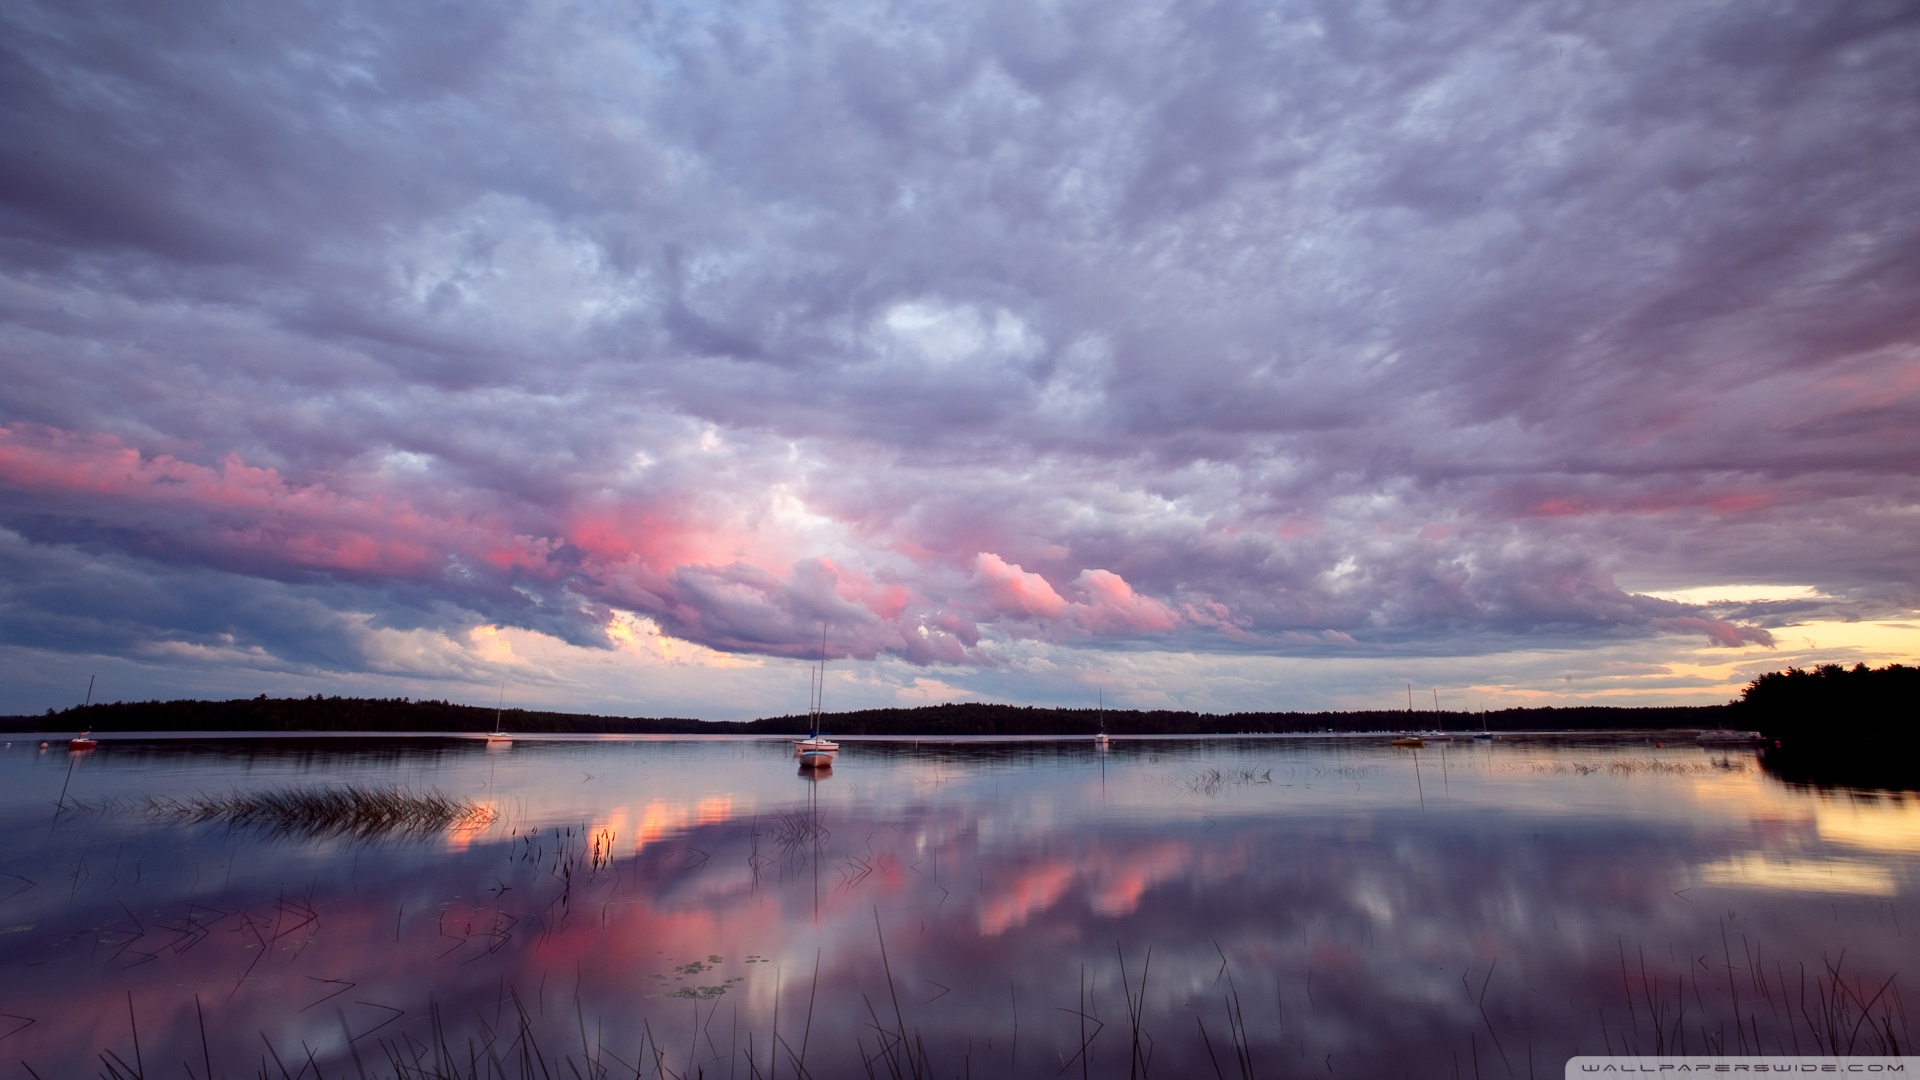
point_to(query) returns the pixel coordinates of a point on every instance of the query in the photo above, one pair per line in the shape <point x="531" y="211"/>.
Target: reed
<point x="1739" y="1005"/>
<point x="1636" y="766"/>
<point x="342" y="811"/>
<point x="1213" y="781"/>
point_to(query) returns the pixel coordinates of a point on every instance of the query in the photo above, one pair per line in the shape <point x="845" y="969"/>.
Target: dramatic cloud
<point x="1022" y="346"/>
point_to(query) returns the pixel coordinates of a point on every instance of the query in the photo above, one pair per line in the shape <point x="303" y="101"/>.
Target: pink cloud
<point x="703" y="565"/>
<point x="1113" y="606"/>
<point x="1015" y="592"/>
<point x="1106" y="603"/>
<point x="242" y="509"/>
<point x="886" y="601"/>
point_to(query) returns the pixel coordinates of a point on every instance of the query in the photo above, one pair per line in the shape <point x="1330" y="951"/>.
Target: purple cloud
<point x="1238" y="329"/>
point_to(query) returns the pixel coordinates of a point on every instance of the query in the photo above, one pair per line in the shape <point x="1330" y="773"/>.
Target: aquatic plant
<point x="1634" y="766"/>
<point x="1211" y="781"/>
<point x="345" y="810"/>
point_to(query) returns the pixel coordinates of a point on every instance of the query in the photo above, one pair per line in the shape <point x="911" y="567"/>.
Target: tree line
<point x="318" y="713"/>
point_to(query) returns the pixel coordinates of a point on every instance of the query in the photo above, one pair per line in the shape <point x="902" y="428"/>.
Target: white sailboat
<point x="816" y="751"/>
<point x="1100" y="741"/>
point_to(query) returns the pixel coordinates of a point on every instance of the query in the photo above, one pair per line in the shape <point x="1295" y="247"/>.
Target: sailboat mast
<point x="819" y="684"/>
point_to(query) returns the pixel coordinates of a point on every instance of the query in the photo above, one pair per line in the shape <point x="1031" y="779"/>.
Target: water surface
<point x="680" y="907"/>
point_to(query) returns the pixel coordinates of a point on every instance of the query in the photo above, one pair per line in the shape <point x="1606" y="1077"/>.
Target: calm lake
<point x="1182" y="908"/>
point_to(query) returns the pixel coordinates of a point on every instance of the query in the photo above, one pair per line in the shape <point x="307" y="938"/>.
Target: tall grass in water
<point x="1794" y="1010"/>
<point x="1714" y="1005"/>
<point x="1212" y="781"/>
<point x="518" y="1039"/>
<point x="346" y="810"/>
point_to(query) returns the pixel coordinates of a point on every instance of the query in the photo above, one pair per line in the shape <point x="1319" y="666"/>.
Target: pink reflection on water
<point x="1373" y="933"/>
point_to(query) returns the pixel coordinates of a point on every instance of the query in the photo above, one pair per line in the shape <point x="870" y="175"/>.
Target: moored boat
<point x="84" y="740"/>
<point x="498" y="736"/>
<point x="816" y="751"/>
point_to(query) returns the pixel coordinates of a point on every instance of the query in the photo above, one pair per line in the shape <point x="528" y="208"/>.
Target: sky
<point x="1203" y="354"/>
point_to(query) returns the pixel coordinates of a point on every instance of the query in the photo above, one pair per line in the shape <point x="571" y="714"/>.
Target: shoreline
<point x="1606" y="734"/>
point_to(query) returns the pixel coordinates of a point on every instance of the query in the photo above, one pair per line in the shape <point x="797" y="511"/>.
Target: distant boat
<point x="1100" y="741"/>
<point x="499" y="734"/>
<point x="1409" y="740"/>
<point x="84" y="740"/>
<point x="816" y="751"/>
<point x="1441" y="734"/>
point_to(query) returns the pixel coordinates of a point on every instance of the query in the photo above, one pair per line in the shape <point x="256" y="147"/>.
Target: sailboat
<point x="816" y="751"/>
<point x="1409" y="739"/>
<point x="84" y="740"/>
<point x="498" y="736"/>
<point x="1438" y="733"/>
<point x="1100" y="741"/>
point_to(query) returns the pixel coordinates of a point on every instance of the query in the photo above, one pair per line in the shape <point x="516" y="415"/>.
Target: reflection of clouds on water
<point x="1877" y="822"/>
<point x="1883" y="823"/>
<point x="1031" y="890"/>
<point x="1352" y="921"/>
<point x="1761" y="871"/>
<point x="1113" y="880"/>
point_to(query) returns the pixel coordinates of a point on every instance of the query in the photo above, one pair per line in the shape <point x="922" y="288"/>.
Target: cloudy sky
<point x="1219" y="355"/>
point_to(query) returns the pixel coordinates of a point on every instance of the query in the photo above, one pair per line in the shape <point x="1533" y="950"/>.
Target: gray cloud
<point x="1375" y="327"/>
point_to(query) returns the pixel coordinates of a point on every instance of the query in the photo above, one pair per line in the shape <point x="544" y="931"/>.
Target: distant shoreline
<point x="399" y="716"/>
<point x="617" y="736"/>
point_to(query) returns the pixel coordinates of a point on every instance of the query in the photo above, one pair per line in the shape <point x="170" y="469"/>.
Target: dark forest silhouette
<point x="964" y="718"/>
<point x="1831" y="700"/>
<point x="1832" y="726"/>
<point x="1820" y="713"/>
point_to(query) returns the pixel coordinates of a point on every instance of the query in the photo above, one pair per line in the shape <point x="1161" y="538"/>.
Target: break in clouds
<point x="1281" y="329"/>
